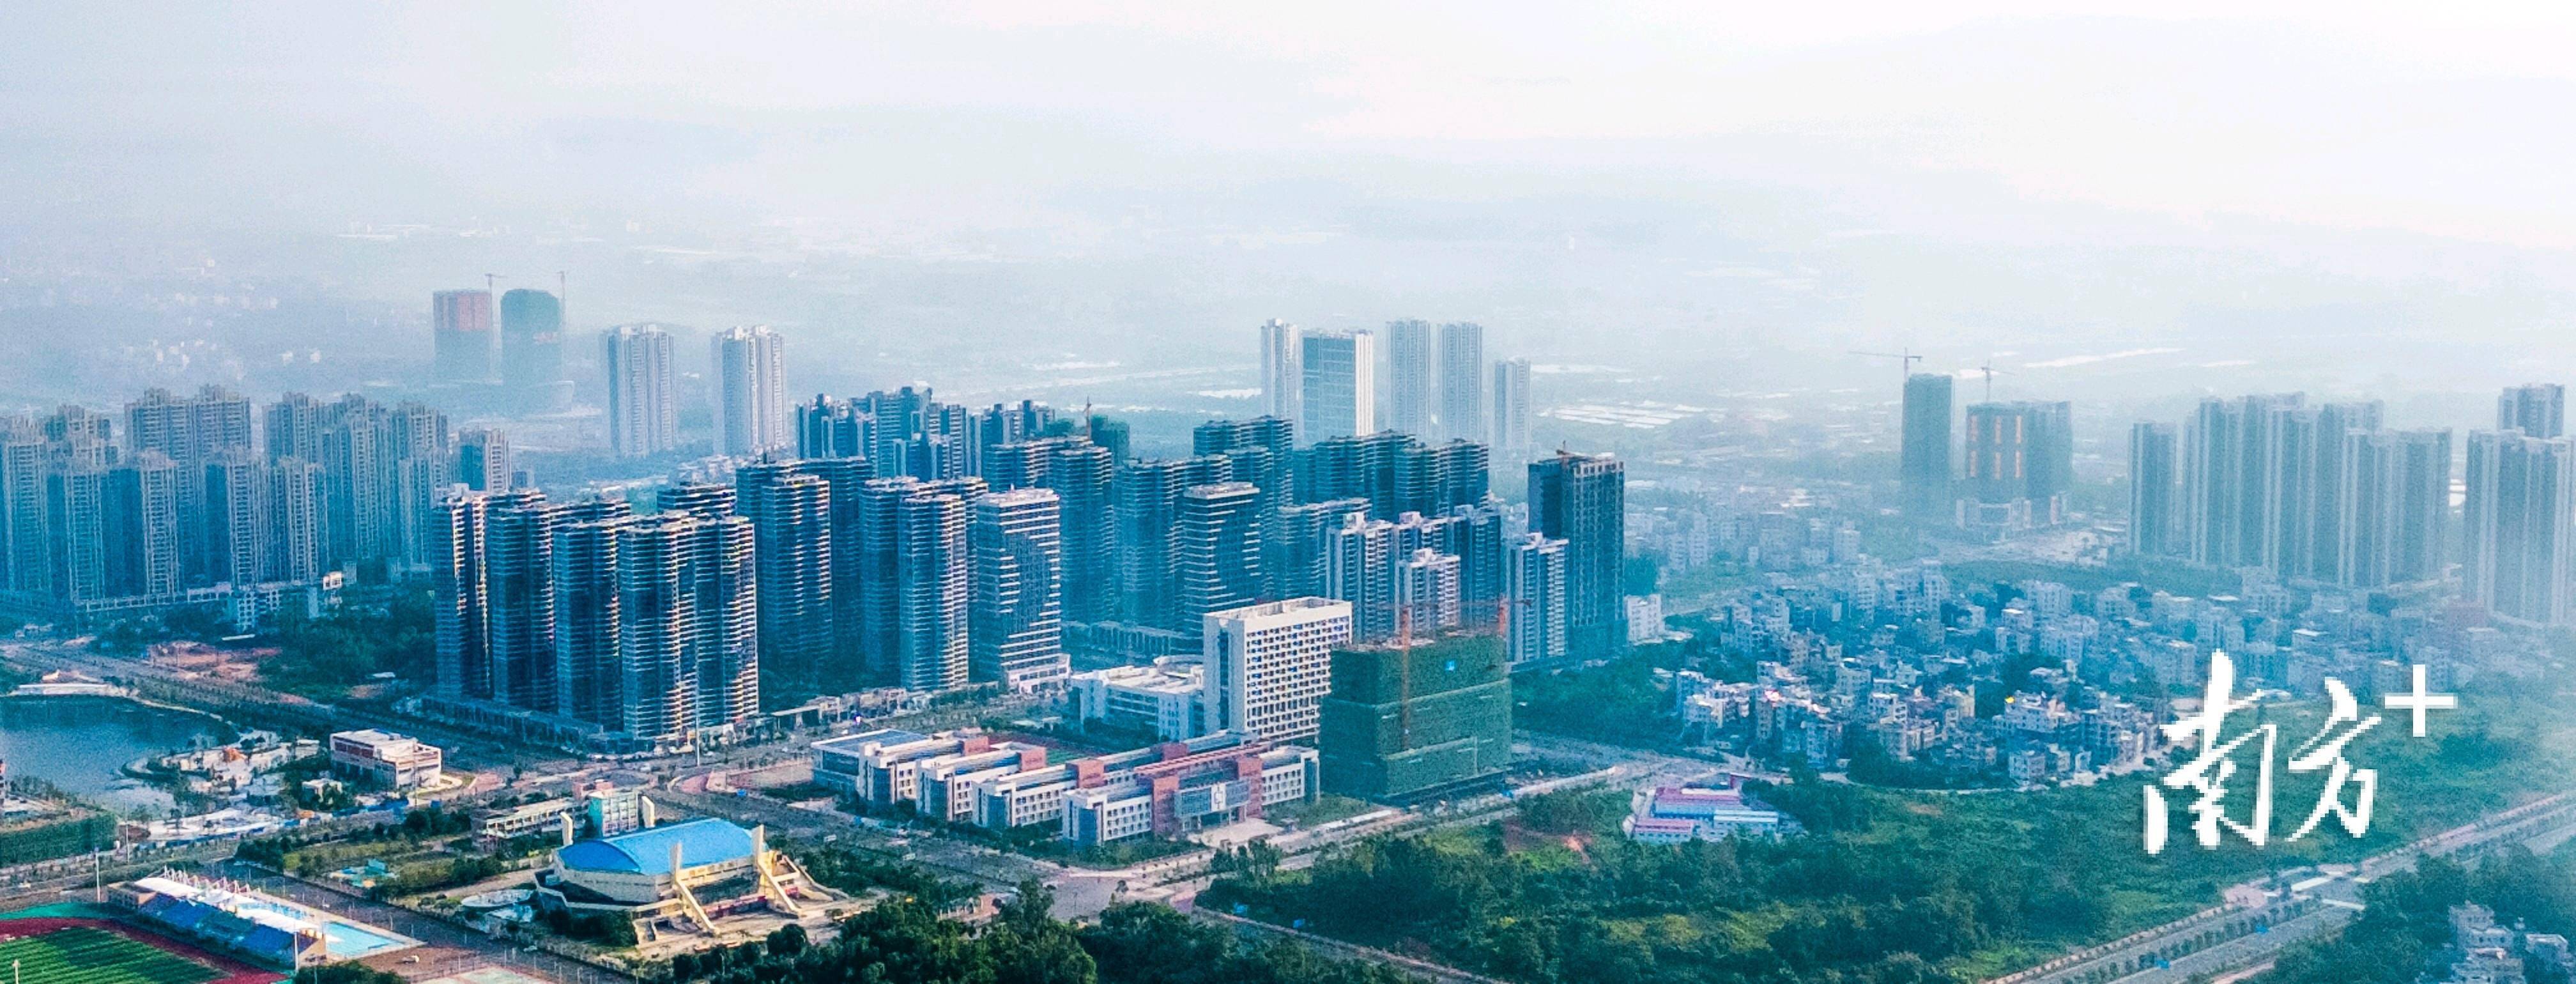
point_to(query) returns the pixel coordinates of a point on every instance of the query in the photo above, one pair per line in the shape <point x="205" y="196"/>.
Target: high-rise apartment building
<point x="494" y="582"/>
<point x="519" y="589"/>
<point x="1582" y="500"/>
<point x="1426" y="593"/>
<point x="1001" y="425"/>
<point x="911" y="582"/>
<point x="384" y="470"/>
<point x="1534" y="598"/>
<point x="1475" y="534"/>
<point x="191" y="431"/>
<point x="724" y="589"/>
<point x="1282" y="350"/>
<point x="1364" y="564"/>
<point x="657" y="626"/>
<point x="932" y="586"/>
<point x="2315" y="527"/>
<point x="1923" y="467"/>
<point x="2154" y="477"/>
<point x="643" y="387"/>
<point x="1216" y="551"/>
<point x="844" y="667"/>
<point x="1112" y="434"/>
<point x="293" y="427"/>
<point x="236" y="523"/>
<point x="2263" y="482"/>
<point x="1268" y="666"/>
<point x="1264" y="450"/>
<point x="1016" y="609"/>
<point x="2519" y="551"/>
<point x="2018" y="464"/>
<point x="461" y="622"/>
<point x="532" y="349"/>
<point x="710" y="499"/>
<point x="2535" y="409"/>
<point x="1337" y="390"/>
<point x="26" y="456"/>
<point x="1412" y="377"/>
<point x="1511" y="410"/>
<point x="1081" y="475"/>
<point x="1300" y="560"/>
<point x="1397" y="473"/>
<point x="483" y="459"/>
<point x="460" y="324"/>
<point x="833" y="428"/>
<point x="687" y="623"/>
<point x="139" y="527"/>
<point x="750" y="368"/>
<point x="2231" y="485"/>
<point x="2395" y="507"/>
<point x="791" y="513"/>
<point x="589" y="672"/>
<point x="294" y="543"/>
<point x="1148" y="505"/>
<point x="76" y="498"/>
<point x="1463" y="416"/>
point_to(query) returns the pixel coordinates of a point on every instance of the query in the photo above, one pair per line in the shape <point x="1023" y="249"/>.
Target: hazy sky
<point x="2343" y="180"/>
<point x="2413" y="116"/>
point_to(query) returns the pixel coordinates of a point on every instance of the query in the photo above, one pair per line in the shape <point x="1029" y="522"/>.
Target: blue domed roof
<point x="648" y="851"/>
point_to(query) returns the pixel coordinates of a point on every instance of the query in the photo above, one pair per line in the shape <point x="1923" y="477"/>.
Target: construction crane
<point x="489" y="279"/>
<point x="1905" y="359"/>
<point x="1990" y="371"/>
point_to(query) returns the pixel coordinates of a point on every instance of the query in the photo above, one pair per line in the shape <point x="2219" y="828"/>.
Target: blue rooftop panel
<point x="186" y="915"/>
<point x="648" y="851"/>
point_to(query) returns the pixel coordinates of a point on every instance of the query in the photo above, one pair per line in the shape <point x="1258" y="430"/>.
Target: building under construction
<point x="1405" y="725"/>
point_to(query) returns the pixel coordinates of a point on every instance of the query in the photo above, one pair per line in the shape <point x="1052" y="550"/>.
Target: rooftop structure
<point x="691" y="873"/>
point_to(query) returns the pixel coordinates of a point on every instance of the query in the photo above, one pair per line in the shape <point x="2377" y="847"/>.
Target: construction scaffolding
<point x="1412" y="723"/>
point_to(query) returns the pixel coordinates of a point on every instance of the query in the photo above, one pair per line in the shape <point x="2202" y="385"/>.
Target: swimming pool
<point x="351" y="941"/>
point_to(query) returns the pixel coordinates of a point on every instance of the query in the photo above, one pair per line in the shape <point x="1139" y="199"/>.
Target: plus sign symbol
<point x="2419" y="701"/>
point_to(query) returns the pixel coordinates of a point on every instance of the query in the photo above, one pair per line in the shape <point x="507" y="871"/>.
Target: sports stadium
<point x="91" y="949"/>
<point x="234" y="919"/>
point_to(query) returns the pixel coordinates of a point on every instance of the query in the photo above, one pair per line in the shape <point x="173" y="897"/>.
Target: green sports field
<point x="80" y="955"/>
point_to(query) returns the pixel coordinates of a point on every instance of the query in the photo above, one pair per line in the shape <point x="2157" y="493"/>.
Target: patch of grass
<point x="1325" y="809"/>
<point x="82" y="955"/>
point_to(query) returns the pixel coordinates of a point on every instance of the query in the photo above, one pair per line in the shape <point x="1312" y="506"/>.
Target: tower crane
<point x="1905" y="359"/>
<point x="1990" y="371"/>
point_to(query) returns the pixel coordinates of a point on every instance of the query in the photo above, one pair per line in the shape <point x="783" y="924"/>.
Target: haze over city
<point x="1982" y="492"/>
<point x="1737" y="194"/>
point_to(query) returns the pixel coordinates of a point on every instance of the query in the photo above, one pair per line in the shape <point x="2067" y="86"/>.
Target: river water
<point x="81" y="745"/>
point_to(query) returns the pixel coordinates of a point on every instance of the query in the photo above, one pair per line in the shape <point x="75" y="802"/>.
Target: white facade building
<point x="1162" y="698"/>
<point x="386" y="759"/>
<point x="1282" y="356"/>
<point x="751" y="392"/>
<point x="1268" y="666"/>
<point x="1337" y="390"/>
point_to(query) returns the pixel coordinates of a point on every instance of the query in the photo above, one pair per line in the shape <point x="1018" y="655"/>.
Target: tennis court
<point x="83" y="955"/>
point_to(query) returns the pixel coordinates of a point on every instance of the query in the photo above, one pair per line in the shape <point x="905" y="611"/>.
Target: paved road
<point x="2539" y="825"/>
<point x="1329" y="946"/>
<point x="2246" y="950"/>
